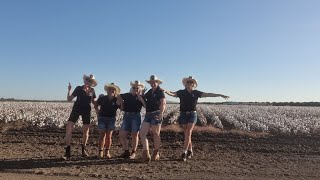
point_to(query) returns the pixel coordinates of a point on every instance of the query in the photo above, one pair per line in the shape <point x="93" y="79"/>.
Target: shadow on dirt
<point x="17" y="164"/>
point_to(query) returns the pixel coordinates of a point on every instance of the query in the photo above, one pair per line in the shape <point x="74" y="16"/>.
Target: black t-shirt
<point x="153" y="100"/>
<point x="131" y="103"/>
<point x="188" y="101"/>
<point x="83" y="102"/>
<point x="108" y="107"/>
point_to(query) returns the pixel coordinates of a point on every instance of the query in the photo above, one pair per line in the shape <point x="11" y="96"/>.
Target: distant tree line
<point x="22" y="100"/>
<point x="314" y="104"/>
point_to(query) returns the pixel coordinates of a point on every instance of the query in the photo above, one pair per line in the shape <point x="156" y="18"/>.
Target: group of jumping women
<point x="131" y="103"/>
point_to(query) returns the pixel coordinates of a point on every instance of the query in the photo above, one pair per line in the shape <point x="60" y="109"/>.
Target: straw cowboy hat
<point x="112" y="85"/>
<point x="137" y="84"/>
<point x="91" y="79"/>
<point x="190" y="78"/>
<point x="154" y="78"/>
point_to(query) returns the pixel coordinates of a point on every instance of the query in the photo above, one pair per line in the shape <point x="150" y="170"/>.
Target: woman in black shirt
<point x="131" y="103"/>
<point x="188" y="114"/>
<point x="156" y="104"/>
<point x="107" y="118"/>
<point x="82" y="107"/>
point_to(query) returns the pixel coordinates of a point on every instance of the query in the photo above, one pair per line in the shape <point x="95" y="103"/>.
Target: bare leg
<point x="124" y="141"/>
<point x="102" y="139"/>
<point x="156" y="136"/>
<point x="184" y="128"/>
<point x="108" y="139"/>
<point x="190" y="146"/>
<point x="85" y="137"/>
<point x="135" y="141"/>
<point x="69" y="130"/>
<point x="143" y="135"/>
<point x="187" y="135"/>
<point x="108" y="142"/>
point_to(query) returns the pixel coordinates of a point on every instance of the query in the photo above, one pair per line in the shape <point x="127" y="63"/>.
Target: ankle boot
<point x="67" y="154"/>
<point x="100" y="155"/>
<point x="125" y="155"/>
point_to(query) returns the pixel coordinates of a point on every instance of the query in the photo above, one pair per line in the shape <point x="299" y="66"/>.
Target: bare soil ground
<point x="36" y="154"/>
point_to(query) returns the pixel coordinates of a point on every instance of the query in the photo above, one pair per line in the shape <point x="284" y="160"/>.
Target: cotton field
<point x="287" y="120"/>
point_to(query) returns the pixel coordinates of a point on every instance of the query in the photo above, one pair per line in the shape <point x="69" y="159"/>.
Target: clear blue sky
<point x="250" y="50"/>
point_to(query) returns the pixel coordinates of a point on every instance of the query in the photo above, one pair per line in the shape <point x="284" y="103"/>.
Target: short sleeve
<point x="140" y="104"/>
<point x="123" y="96"/>
<point x="179" y="93"/>
<point x="198" y="93"/>
<point x="76" y="91"/>
<point x="162" y="95"/>
<point x="94" y="94"/>
<point x="144" y="97"/>
<point x="99" y="101"/>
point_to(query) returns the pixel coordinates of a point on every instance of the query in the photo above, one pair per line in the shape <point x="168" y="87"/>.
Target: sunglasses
<point x="111" y="89"/>
<point x="190" y="82"/>
<point x="134" y="88"/>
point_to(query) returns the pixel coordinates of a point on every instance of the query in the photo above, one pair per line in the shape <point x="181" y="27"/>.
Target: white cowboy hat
<point x="154" y="78"/>
<point x="190" y="78"/>
<point x="92" y="80"/>
<point x="112" y="85"/>
<point x="137" y="84"/>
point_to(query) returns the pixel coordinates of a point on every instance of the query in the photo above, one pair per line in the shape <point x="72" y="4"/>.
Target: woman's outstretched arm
<point x="173" y="94"/>
<point x="214" y="95"/>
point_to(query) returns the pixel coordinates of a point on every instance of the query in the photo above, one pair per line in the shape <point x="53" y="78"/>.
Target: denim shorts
<point x="107" y="123"/>
<point x="152" y="118"/>
<point x="131" y="122"/>
<point x="188" y="117"/>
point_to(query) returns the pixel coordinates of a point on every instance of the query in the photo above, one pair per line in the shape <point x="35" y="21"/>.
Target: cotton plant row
<point x="38" y="114"/>
<point x="288" y="120"/>
<point x="48" y="114"/>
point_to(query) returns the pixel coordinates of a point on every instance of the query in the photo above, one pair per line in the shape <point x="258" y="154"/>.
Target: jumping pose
<point x="131" y="103"/>
<point x="85" y="96"/>
<point x="106" y="108"/>
<point x="156" y="104"/>
<point x="188" y="114"/>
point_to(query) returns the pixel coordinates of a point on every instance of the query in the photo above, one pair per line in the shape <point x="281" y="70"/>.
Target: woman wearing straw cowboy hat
<point x="107" y="118"/>
<point x="131" y="103"/>
<point x="156" y="104"/>
<point x="188" y="115"/>
<point x="85" y="96"/>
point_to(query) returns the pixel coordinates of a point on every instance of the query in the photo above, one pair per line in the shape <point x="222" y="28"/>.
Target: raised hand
<point x="160" y="117"/>
<point x="144" y="91"/>
<point x="140" y="97"/>
<point x="69" y="87"/>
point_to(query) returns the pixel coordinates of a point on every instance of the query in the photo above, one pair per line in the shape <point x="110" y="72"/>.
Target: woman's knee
<point x="143" y="134"/>
<point x="86" y="128"/>
<point x="102" y="135"/>
<point x="188" y="134"/>
<point x="135" y="135"/>
<point x="108" y="135"/>
<point x="155" y="134"/>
